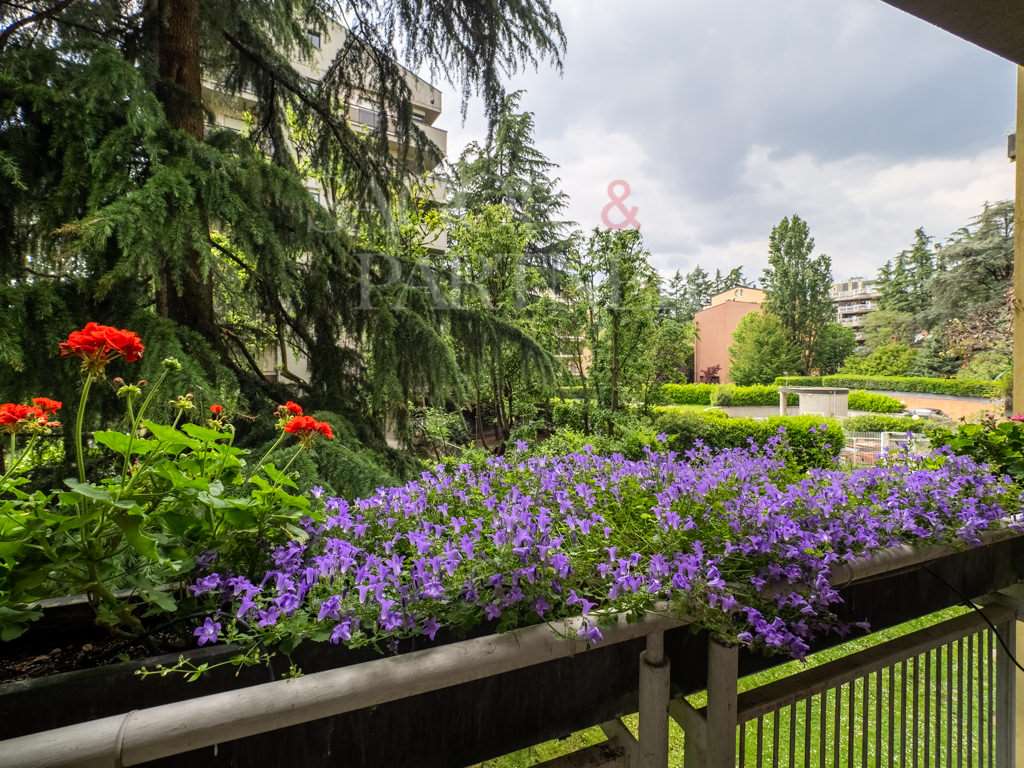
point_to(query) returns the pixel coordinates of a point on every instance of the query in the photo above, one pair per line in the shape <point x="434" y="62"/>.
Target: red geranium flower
<point x="46" y="405"/>
<point x="293" y="408"/>
<point x="306" y="428"/>
<point x="98" y="344"/>
<point x="15" y="417"/>
<point x="216" y="409"/>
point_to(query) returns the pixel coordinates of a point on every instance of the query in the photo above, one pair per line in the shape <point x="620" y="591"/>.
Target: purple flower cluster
<point x="728" y="538"/>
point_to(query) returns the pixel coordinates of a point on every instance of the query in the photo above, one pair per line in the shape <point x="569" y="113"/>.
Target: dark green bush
<point x="808" y="444"/>
<point x="874" y="402"/>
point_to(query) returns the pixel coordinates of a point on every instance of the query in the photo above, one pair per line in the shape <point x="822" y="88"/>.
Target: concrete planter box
<point x="469" y="722"/>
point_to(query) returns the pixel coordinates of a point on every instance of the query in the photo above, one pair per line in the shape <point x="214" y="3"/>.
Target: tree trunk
<point x="185" y="292"/>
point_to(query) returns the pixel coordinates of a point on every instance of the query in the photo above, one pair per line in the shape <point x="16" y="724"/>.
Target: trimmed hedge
<point x="762" y="395"/>
<point x="686" y="394"/>
<point x="809" y="445"/>
<point x="937" y="433"/>
<point x="874" y="402"/>
<point x="798" y="381"/>
<point x="884" y="423"/>
<point x="923" y="384"/>
<point x="755" y="394"/>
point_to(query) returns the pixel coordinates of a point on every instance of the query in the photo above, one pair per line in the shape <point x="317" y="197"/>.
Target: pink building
<point x="716" y="324"/>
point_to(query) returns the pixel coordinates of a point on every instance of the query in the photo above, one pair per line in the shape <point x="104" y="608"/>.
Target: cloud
<point x="725" y="116"/>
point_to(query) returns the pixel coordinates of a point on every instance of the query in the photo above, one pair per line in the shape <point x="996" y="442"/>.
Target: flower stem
<point x="79" y="422"/>
<point x="266" y="455"/>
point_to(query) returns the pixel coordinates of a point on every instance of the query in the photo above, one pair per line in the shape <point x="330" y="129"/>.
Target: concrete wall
<point x="715" y="326"/>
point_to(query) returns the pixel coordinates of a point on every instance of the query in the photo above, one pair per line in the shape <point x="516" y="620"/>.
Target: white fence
<point x="866" y="448"/>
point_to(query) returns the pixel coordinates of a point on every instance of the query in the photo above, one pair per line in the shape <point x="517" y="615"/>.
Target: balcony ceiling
<point x="996" y="25"/>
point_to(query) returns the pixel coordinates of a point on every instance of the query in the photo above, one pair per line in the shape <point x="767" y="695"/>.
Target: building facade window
<point x="314" y="38"/>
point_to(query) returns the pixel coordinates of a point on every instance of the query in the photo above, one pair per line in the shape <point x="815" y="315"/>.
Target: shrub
<point x="755" y="394"/>
<point x="893" y="359"/>
<point x="874" y="402"/>
<point x="999" y="444"/>
<point x="884" y="423"/>
<point x="957" y="387"/>
<point x="798" y="381"/>
<point x="567" y="413"/>
<point x="808" y="444"/>
<point x="686" y="394"/>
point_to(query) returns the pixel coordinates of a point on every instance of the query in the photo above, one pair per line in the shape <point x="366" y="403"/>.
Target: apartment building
<point x="229" y="111"/>
<point x="716" y="324"/>
<point x="854" y="300"/>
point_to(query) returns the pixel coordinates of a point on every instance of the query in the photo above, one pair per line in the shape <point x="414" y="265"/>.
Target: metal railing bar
<point x="741" y="752"/>
<point x="938" y="703"/>
<point x="822" y="727"/>
<point x="916" y="708"/>
<point x="831" y="674"/>
<point x="879" y="695"/>
<point x="838" y="727"/>
<point x="970" y="701"/>
<point x="927" y="706"/>
<point x="760" y="742"/>
<point x="851" y="719"/>
<point x="865" y="704"/>
<point x="950" y="740"/>
<point x="776" y="727"/>
<point x="960" y="725"/>
<point x="807" y="732"/>
<point x="792" y="735"/>
<point x="892" y="720"/>
<point x="903" y="713"/>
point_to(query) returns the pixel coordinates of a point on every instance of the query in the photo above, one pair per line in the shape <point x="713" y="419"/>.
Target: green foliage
<point x="509" y="170"/>
<point x="687" y="295"/>
<point x="757" y="394"/>
<point x="761" y="350"/>
<point x="893" y="359"/>
<point x="999" y="444"/>
<point x="887" y="326"/>
<point x="798" y="287"/>
<point x="621" y="287"/>
<point x="808" y="444"/>
<point x="988" y="364"/>
<point x="884" y="423"/>
<point x="686" y="394"/>
<point x="833" y="347"/>
<point x="799" y="381"/>
<point x="669" y="354"/>
<point x="957" y="387"/>
<point x="874" y="402"/>
<point x="159" y="496"/>
<point x="905" y="284"/>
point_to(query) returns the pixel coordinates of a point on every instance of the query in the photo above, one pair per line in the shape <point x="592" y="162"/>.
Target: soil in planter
<point x="66" y="639"/>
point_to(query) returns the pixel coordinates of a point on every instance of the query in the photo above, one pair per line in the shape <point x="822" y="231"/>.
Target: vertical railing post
<point x="1006" y="697"/>
<point x="654" y="700"/>
<point x="723" y="669"/>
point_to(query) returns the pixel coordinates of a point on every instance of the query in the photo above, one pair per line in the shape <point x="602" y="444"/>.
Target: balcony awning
<point x="996" y="25"/>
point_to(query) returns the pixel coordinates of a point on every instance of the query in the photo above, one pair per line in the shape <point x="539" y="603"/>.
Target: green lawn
<point x="551" y="749"/>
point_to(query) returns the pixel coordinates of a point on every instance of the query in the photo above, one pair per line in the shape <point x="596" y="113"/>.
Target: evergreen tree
<point x="117" y="200"/>
<point x="509" y="170"/>
<point x="798" y="286"/>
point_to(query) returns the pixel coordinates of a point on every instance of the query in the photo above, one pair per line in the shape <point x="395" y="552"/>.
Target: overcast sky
<point x="725" y="115"/>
